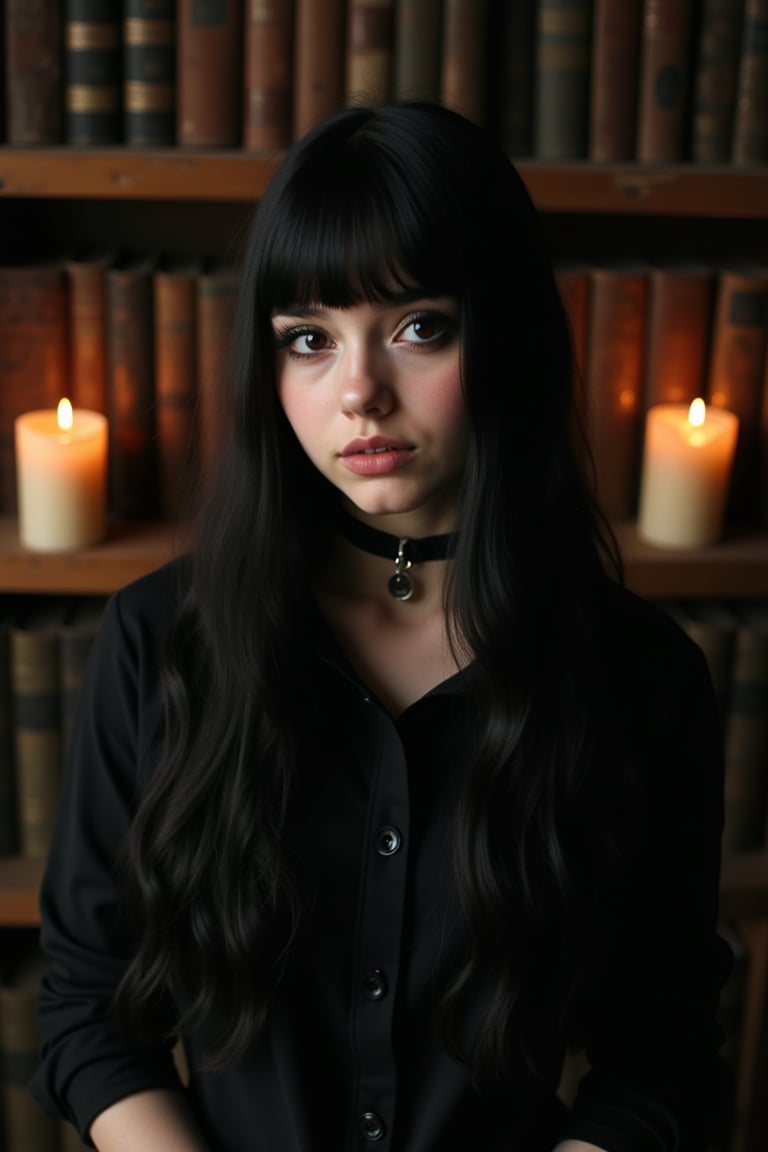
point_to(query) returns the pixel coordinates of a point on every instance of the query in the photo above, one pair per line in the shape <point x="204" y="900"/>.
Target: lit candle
<point x="687" y="464"/>
<point x="61" y="472"/>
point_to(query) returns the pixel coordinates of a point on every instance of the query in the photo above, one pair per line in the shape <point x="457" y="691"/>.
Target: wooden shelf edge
<point x="735" y="567"/>
<point x="579" y="186"/>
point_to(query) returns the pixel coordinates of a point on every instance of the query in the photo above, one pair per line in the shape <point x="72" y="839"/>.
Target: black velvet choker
<point x="402" y="551"/>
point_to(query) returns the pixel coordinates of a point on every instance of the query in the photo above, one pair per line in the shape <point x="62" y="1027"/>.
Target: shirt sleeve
<point x="657" y="1081"/>
<point x="85" y="1065"/>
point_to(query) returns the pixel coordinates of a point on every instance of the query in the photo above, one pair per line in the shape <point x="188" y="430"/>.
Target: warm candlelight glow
<point x="64" y="415"/>
<point x="697" y="413"/>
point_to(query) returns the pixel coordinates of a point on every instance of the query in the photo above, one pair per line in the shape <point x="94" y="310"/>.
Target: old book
<point x="715" y="75"/>
<point x="216" y="291"/>
<point x="561" y="80"/>
<point x="37" y="719"/>
<point x="34" y="359"/>
<point x="34" y="72"/>
<point x="131" y="388"/>
<point x="736" y="370"/>
<point x="24" y="1126"/>
<point x="175" y="322"/>
<point x="616" y="364"/>
<point x="149" y="72"/>
<point x="614" y="79"/>
<point x="680" y="304"/>
<point x="664" y="81"/>
<point x="80" y="623"/>
<point x="417" y="50"/>
<point x="87" y="287"/>
<point x="750" y="124"/>
<point x="746" y="733"/>
<point x="9" y="832"/>
<point x="510" y="75"/>
<point x="318" y="62"/>
<point x="574" y="284"/>
<point x="464" y="59"/>
<point x="267" y="73"/>
<point x="209" y="73"/>
<point x="370" y="43"/>
<point x="93" y="97"/>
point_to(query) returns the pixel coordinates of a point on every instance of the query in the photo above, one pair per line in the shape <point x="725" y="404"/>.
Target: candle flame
<point x="64" y="415"/>
<point x="697" y="412"/>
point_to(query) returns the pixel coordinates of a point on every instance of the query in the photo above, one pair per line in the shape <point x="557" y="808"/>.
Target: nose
<point x="365" y="385"/>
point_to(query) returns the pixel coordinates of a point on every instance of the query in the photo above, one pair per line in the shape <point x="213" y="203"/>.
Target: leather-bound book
<point x="267" y="74"/>
<point x="679" y="329"/>
<point x="750" y="125"/>
<point x="715" y="76"/>
<point x="417" y="50"/>
<point x="318" y="62"/>
<point x="370" y="42"/>
<point x="87" y="285"/>
<point x="614" y="79"/>
<point x="149" y="72"/>
<point x="209" y="64"/>
<point x="93" y="89"/>
<point x="464" y="72"/>
<point x="561" y="81"/>
<point x="665" y="77"/>
<point x="34" y="72"/>
<point x="175" y="303"/>
<point x="510" y="75"/>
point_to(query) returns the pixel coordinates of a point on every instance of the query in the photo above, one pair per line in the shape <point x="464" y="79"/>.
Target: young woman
<point x="388" y="794"/>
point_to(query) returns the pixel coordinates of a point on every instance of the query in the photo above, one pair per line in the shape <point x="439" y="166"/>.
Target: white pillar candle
<point x="61" y="474"/>
<point x="687" y="463"/>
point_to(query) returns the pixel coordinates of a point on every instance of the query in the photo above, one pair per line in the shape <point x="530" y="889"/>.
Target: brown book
<point x="746" y="733"/>
<point x="24" y="1126"/>
<point x="318" y="62"/>
<point x="149" y="72"/>
<point x="574" y="284"/>
<point x="736" y="370"/>
<point x="175" y="302"/>
<point x="216" y="291"/>
<point x="209" y="67"/>
<point x="417" y="50"/>
<point x="563" y="56"/>
<point x="370" y="43"/>
<point x="34" y="357"/>
<point x="750" y="124"/>
<point x="680" y="304"/>
<point x="267" y="73"/>
<point x="510" y="75"/>
<point x="80" y="623"/>
<point x="131" y="388"/>
<point x="36" y="719"/>
<point x="616" y="362"/>
<point x="93" y="97"/>
<point x="715" y="75"/>
<point x="87" y="285"/>
<point x="34" y="72"/>
<point x="465" y="57"/>
<point x="665" y="75"/>
<point x="9" y="832"/>
<point x="614" y="78"/>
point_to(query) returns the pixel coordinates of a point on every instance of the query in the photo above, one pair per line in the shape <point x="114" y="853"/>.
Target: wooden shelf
<point x="736" y="566"/>
<point x="196" y="174"/>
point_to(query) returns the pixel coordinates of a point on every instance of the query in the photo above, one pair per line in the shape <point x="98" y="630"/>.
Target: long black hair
<point x="371" y="200"/>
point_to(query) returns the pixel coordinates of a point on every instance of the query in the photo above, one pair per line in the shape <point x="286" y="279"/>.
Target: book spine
<point x="92" y="72"/>
<point x="465" y="57"/>
<point x="573" y="282"/>
<point x="175" y="303"/>
<point x="87" y="287"/>
<point x="714" y="81"/>
<point x="563" y="57"/>
<point x="614" y="79"/>
<point x="37" y="735"/>
<point x="665" y="73"/>
<point x="318" y="63"/>
<point x="736" y="368"/>
<point x="24" y="1126"/>
<point x="34" y="355"/>
<point x="618" y="319"/>
<point x="679" y="328"/>
<point x="267" y="73"/>
<point x="34" y="72"/>
<point x="131" y="391"/>
<point x="750" y="125"/>
<point x="510" y="98"/>
<point x="216" y="290"/>
<point x="370" y="45"/>
<point x="149" y="71"/>
<point x="746" y="743"/>
<point x="209" y="73"/>
<point x="417" y="50"/>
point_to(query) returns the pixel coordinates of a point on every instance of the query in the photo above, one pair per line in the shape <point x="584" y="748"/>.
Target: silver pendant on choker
<point x="400" y="586"/>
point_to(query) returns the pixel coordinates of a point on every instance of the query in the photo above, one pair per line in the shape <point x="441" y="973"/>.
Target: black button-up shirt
<point x="351" y="1055"/>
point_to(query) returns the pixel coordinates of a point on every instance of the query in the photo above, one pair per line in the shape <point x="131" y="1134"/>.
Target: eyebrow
<point x="408" y="296"/>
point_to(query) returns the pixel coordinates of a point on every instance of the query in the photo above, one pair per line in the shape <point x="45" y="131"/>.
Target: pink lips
<point x="375" y="456"/>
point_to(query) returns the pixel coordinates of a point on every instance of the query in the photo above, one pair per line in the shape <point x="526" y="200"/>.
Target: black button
<point x="374" y="985"/>
<point x="372" y="1126"/>
<point x="388" y="841"/>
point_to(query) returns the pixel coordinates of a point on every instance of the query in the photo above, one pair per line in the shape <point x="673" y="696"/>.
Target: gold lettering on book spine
<point x="143" y="97"/>
<point x="148" y="31"/>
<point x="85" y="98"/>
<point x="560" y="23"/>
<point x="81" y="37"/>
